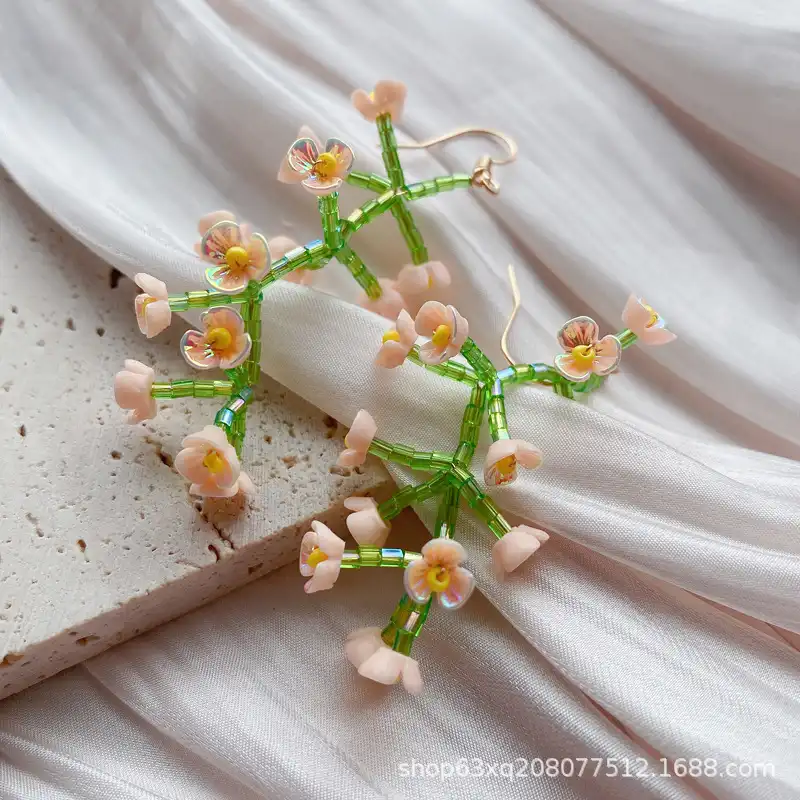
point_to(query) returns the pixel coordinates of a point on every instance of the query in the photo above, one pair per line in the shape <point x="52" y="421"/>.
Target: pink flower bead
<point x="152" y="307"/>
<point x="647" y="324"/>
<point x="585" y="352"/>
<point x="397" y="342"/>
<point x="358" y="440"/>
<point x="445" y="327"/>
<point x="132" y="387"/>
<point x="388" y="97"/>
<point x="516" y="547"/>
<point x="375" y="660"/>
<point x="500" y="466"/>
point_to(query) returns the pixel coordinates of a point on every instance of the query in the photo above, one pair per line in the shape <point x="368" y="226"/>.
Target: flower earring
<point x="384" y="654"/>
<point x="242" y="265"/>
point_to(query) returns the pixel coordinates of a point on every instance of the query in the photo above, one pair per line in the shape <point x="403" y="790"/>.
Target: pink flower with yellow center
<point x="132" y="388"/>
<point x="239" y="254"/>
<point x="438" y="572"/>
<point x="358" y="440"/>
<point x="388" y="97"/>
<point x="426" y="277"/>
<point x="320" y="171"/>
<point x="389" y="304"/>
<point x="375" y="660"/>
<point x="647" y="324"/>
<point x="222" y="343"/>
<point x="515" y="548"/>
<point x="397" y="342"/>
<point x="320" y="557"/>
<point x="502" y="458"/>
<point x="152" y="307"/>
<point x="585" y="352"/>
<point x="210" y="462"/>
<point x="446" y="329"/>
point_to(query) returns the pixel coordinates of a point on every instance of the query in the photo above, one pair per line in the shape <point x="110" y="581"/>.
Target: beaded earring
<point x="383" y="655"/>
<point x="244" y="265"/>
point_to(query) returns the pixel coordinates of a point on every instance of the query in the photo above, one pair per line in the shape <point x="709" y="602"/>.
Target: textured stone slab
<point x="99" y="538"/>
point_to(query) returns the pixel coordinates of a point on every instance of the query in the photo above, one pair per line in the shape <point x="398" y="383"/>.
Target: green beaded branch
<point x="237" y="257"/>
<point x="449" y="480"/>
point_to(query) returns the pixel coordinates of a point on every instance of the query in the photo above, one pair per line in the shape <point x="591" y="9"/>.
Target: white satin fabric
<point x="658" y="153"/>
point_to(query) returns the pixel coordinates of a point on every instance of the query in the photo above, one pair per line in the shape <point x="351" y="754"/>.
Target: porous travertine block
<point x="99" y="538"/>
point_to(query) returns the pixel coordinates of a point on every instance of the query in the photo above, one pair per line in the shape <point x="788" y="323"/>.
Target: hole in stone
<point x="82" y="545"/>
<point x="116" y="455"/>
<point x="84" y="640"/>
<point x="70" y="324"/>
<point x="113" y="277"/>
<point x="101" y="331"/>
<point x="22" y="431"/>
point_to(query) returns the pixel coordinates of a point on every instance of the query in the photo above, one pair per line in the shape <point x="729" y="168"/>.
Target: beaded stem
<point x="329" y="216"/>
<point x="422" y="460"/>
<point x="449" y="369"/>
<point x="478" y="360"/>
<point x="462" y="479"/>
<point x="471" y="425"/>
<point x="394" y="169"/>
<point x="227" y="416"/>
<point x="370" y="181"/>
<point x="370" y="556"/>
<point x="409" y="495"/>
<point x="405" y="624"/>
<point x="365" y="279"/>
<point x="445" y="527"/>
<point x="191" y="388"/>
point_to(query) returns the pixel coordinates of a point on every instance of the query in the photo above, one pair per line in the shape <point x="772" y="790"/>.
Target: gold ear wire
<point x="515" y="293"/>
<point x="482" y="172"/>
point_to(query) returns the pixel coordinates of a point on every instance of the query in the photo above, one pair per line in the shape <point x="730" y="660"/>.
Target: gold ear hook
<point x="512" y="277"/>
<point x="482" y="172"/>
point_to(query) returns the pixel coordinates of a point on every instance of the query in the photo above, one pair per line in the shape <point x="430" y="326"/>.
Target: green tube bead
<point x="407" y="456"/>
<point x="358" y="269"/>
<point x="445" y="527"/>
<point x="471" y="425"/>
<point x="369" y="556"/>
<point x="191" y="388"/>
<point x="329" y="216"/>
<point x="409" y="495"/>
<point x="626" y="338"/>
<point x="204" y="299"/>
<point x="405" y="624"/>
<point x="391" y="159"/>
<point x="478" y="360"/>
<point x="498" y="424"/>
<point x="449" y="369"/>
<point x="227" y="415"/>
<point x="368" y="180"/>
<point x="311" y="256"/>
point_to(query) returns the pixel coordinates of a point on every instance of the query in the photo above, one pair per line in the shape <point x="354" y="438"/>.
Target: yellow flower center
<point x="507" y="466"/>
<point x="430" y="281"/>
<point x="316" y="556"/>
<point x="219" y="339"/>
<point x="325" y="166"/>
<point x="214" y="462"/>
<point x="237" y="258"/>
<point x="441" y="336"/>
<point x="391" y="336"/>
<point x="583" y="355"/>
<point x="372" y="96"/>
<point x="438" y="578"/>
<point x="653" y="315"/>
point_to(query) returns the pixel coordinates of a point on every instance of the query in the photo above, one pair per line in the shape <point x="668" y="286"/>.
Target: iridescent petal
<point x="196" y="352"/>
<point x="609" y="352"/>
<point x="223" y="317"/>
<point x="414" y="579"/>
<point x="443" y="552"/>
<point x="223" y="280"/>
<point x="321" y="186"/>
<point x="218" y="239"/>
<point x="565" y="364"/>
<point x="343" y="154"/>
<point x="578" y="331"/>
<point x="303" y="154"/>
<point x="462" y="582"/>
<point x="260" y="259"/>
